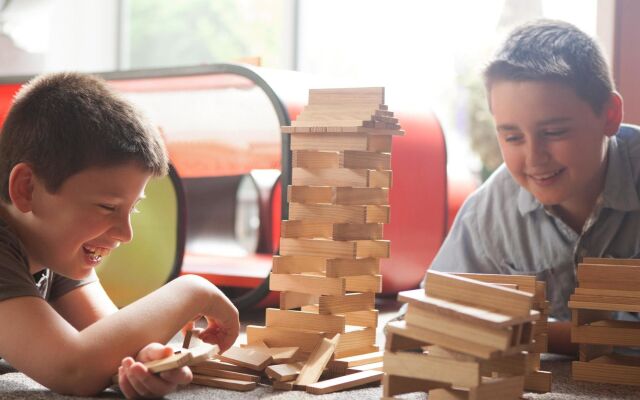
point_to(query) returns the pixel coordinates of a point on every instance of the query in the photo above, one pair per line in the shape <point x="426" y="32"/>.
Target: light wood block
<point x="397" y="342"/>
<point x="361" y="97"/>
<point x="491" y="389"/>
<point x="526" y="283"/>
<point x="615" y="369"/>
<point x="478" y="294"/>
<point x="338" y="195"/>
<point x="282" y="337"/>
<point x="312" y="369"/>
<point x="221" y="383"/>
<point x="393" y="385"/>
<point x="538" y="381"/>
<point x="310" y="321"/>
<point x="588" y="352"/>
<point x="289" y="300"/>
<point x="247" y="357"/>
<point x="279" y="354"/>
<point x="339" y="213"/>
<point x="335" y="249"/>
<point x="223" y="366"/>
<point x="583" y="317"/>
<point x="366" y="318"/>
<point x="366" y="367"/>
<point x="607" y="293"/>
<point x="374" y="129"/>
<point x="284" y="372"/>
<point x="345" y="382"/>
<point x="172" y="362"/>
<point x="616" y="333"/>
<point x="364" y="141"/>
<point x="355" y="361"/>
<point x="297" y="264"/>
<point x="220" y="373"/>
<point x="201" y="353"/>
<point x="347" y="267"/>
<point x="364" y="283"/>
<point x="312" y="284"/>
<point x="328" y="230"/>
<point x="600" y="305"/>
<point x="609" y="277"/>
<point x="356" y="340"/>
<point x="341" y="177"/>
<point x="413" y="365"/>
<point x="497" y="338"/>
<point x="611" y="261"/>
<point x="346" y="303"/>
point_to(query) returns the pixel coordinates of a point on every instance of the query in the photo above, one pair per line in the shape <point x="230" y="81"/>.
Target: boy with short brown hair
<point x="74" y="160"/>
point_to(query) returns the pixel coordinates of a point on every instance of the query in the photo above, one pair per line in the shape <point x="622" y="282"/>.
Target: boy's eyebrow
<point x="507" y="127"/>
<point x="553" y="121"/>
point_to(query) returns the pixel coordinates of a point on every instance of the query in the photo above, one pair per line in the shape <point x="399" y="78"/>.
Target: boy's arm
<point x="84" y="305"/>
<point x="36" y="340"/>
<point x="560" y="338"/>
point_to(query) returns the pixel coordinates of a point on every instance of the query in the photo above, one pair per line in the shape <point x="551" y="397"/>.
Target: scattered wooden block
<point x="491" y="389"/>
<point x="414" y="365"/>
<point x="279" y="354"/>
<point x="187" y="339"/>
<point x="221" y="373"/>
<point x="222" y="366"/>
<point x="282" y="337"/>
<point x="284" y="372"/>
<point x="230" y="384"/>
<point x="249" y="358"/>
<point x="339" y="213"/>
<point x="538" y="381"/>
<point x="201" y="353"/>
<point x="172" y="362"/>
<point x="393" y="385"/>
<point x="345" y="382"/>
<point x="297" y="264"/>
<point x="317" y="361"/>
<point x="338" y="195"/>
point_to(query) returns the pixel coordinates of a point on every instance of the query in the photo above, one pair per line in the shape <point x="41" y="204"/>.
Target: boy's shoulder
<point x="499" y="192"/>
<point x="15" y="278"/>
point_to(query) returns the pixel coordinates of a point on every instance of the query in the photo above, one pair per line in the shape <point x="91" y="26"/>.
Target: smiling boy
<point x="74" y="160"/>
<point x="569" y="186"/>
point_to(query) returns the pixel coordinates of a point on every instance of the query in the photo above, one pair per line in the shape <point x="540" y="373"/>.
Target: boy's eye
<point x="555" y="133"/>
<point x="107" y="207"/>
<point x="512" y="138"/>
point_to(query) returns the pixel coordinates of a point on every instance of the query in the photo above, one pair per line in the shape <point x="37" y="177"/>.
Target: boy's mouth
<point x="547" y="176"/>
<point x="95" y="254"/>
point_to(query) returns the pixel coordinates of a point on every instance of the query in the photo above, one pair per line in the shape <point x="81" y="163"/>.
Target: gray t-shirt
<point x="503" y="229"/>
<point x="17" y="281"/>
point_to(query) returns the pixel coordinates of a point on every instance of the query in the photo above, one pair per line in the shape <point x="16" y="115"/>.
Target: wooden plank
<point x="588" y="352"/>
<point x="289" y="300"/>
<point x="611" y="261"/>
<point x="223" y="366"/>
<point x="222" y="383"/>
<point x="346" y="303"/>
<point x="366" y="318"/>
<point x="339" y="213"/>
<point x="494" y="337"/>
<point x="315" y="159"/>
<point x="312" y="284"/>
<point x="297" y="264"/>
<point x="587" y="305"/>
<point x="328" y="230"/>
<point x="355" y="361"/>
<point x="378" y="366"/>
<point x="341" y="177"/>
<point x="342" y="142"/>
<point x="538" y="381"/>
<point x="605" y="292"/>
<point x="284" y="372"/>
<point x="347" y="96"/>
<point x="310" y="321"/>
<point x="344" y="382"/>
<point x="312" y="369"/>
<point x="585" y="298"/>
<point x="345" y="267"/>
<point x="616" y="333"/>
<point x="220" y="373"/>
<point x="366" y="160"/>
<point x="364" y="283"/>
<point x="247" y="357"/>
<point x="398" y="342"/>
<point x="524" y="282"/>
<point x="336" y="159"/>
<point x="338" y="195"/>
<point x="478" y="294"/>
<point x="279" y="354"/>
<point x="609" y="277"/>
<point x="418" y="298"/>
<point x="615" y="369"/>
<point x="368" y="128"/>
<point x="201" y="352"/>
<point x="506" y="388"/>
<point x="282" y="337"/>
<point x="393" y="385"/>
<point x="582" y="317"/>
<point x="457" y="373"/>
<point x="335" y="248"/>
<point x="168" y="363"/>
<point x="356" y="340"/>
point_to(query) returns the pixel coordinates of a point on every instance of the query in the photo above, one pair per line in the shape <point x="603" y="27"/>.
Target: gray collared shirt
<point x="502" y="229"/>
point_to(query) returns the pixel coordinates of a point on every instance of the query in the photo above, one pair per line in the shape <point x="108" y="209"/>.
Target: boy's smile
<point x="72" y="230"/>
<point x="552" y="142"/>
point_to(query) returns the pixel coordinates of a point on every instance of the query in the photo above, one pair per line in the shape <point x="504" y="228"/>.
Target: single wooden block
<point x="378" y="366"/>
<point x="297" y="264"/>
<point x="497" y="338"/>
<point x="201" y="353"/>
<point x="340" y="159"/>
<point x="342" y="141"/>
<point x="289" y="300"/>
<point x="366" y="160"/>
<point x="309" y="321"/>
<point x="222" y="366"/>
<point x="608" y="332"/>
<point x="315" y="159"/>
<point x="339" y="213"/>
<point x="478" y="294"/>
<point x="221" y="373"/>
<point x="608" y="292"/>
<point x="284" y="372"/>
<point x="611" y="261"/>
<point x="347" y="96"/>
<point x="397" y="342"/>
<point x="348" y="302"/>
<point x="341" y="267"/>
<point x="363" y="283"/>
<point x="601" y="304"/>
<point x="614" y="368"/>
<point x="588" y="352"/>
<point x="338" y="195"/>
<point x="421" y="366"/>
<point x="221" y="383"/>
<point x="345" y="382"/>
<point x="312" y="369"/>
<point x="583" y="317"/>
<point x="187" y="339"/>
<point x="609" y="277"/>
<point x="328" y="230"/>
<point x="311" y="284"/>
<point x="354" y="361"/>
<point x="341" y="177"/>
<point x="282" y="337"/>
<point x="393" y="385"/>
<point x="356" y="340"/>
<point x="366" y="318"/>
<point x="172" y="362"/>
<point x="506" y="388"/>
<point x="526" y="283"/>
<point x="335" y="249"/>
<point x="538" y="381"/>
<point x="279" y="354"/>
<point x="249" y="358"/>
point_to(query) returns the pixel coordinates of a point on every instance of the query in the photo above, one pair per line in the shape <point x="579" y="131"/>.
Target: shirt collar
<point x="619" y="186"/>
<point x="526" y="202"/>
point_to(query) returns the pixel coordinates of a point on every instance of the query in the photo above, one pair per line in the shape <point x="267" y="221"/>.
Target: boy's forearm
<point x="560" y="338"/>
<point x="154" y="318"/>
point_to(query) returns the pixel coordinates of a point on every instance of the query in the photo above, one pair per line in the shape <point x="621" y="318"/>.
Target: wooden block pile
<point x="606" y="286"/>
<point x="328" y="270"/>
<point x="461" y="339"/>
<point x="535" y="380"/>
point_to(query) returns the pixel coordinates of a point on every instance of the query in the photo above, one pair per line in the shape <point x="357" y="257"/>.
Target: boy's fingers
<point x="179" y="376"/>
<point x="147" y="384"/>
<point x="154" y="351"/>
<point x="125" y="387"/>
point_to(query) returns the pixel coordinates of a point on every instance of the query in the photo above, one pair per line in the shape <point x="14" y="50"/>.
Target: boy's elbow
<point x="78" y="380"/>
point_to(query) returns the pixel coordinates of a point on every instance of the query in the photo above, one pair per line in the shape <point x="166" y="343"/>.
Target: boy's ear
<point x="613" y="114"/>
<point x="21" y="184"/>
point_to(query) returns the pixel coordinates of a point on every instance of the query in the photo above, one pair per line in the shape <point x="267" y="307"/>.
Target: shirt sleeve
<point x="15" y="279"/>
<point x="62" y="285"/>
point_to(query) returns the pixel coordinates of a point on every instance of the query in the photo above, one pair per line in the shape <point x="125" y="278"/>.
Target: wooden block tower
<point x="328" y="270"/>
<point x="461" y="339"/>
<point x="606" y="286"/>
<point x="535" y="380"/>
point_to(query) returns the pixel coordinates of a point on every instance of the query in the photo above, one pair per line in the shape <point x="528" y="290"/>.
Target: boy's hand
<point x="223" y="325"/>
<point x="136" y="382"/>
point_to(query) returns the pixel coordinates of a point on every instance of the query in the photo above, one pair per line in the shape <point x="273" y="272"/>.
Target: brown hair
<point x="63" y="123"/>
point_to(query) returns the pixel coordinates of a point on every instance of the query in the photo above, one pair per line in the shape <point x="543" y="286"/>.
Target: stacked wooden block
<point x="535" y="380"/>
<point x="606" y="286"/>
<point x="461" y="339"/>
<point x="328" y="270"/>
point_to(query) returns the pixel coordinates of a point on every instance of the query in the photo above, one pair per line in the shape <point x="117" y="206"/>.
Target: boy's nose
<point x="122" y="230"/>
<point x="537" y="153"/>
